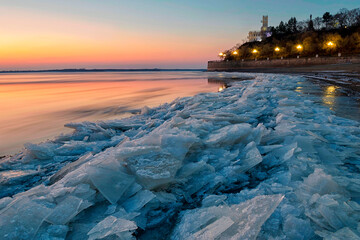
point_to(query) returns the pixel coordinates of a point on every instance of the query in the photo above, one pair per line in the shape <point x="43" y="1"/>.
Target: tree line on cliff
<point x="324" y="36"/>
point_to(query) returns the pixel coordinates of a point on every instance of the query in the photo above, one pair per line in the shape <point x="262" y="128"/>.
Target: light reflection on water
<point x="343" y="102"/>
<point x="35" y="106"/>
<point x="329" y="96"/>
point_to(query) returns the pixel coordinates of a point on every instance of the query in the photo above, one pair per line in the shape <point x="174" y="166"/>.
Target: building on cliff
<point x="263" y="33"/>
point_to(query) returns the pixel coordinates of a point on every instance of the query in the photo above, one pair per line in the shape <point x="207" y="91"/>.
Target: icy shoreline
<point x="258" y="160"/>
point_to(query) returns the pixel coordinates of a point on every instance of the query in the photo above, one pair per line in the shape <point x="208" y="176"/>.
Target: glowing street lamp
<point x="277" y="49"/>
<point x="254" y="51"/>
<point x="330" y="44"/>
<point x="235" y="53"/>
<point x="221" y="54"/>
<point x="299" y="47"/>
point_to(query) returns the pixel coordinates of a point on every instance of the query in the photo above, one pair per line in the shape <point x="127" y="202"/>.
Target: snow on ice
<point x="256" y="161"/>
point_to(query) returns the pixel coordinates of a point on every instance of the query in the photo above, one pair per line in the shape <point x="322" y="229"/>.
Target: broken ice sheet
<point x="112" y="183"/>
<point x="238" y="221"/>
<point x="65" y="211"/>
<point x="214" y="229"/>
<point x="112" y="226"/>
<point x="195" y="153"/>
<point x="22" y="218"/>
<point x="230" y="134"/>
<point x="136" y="202"/>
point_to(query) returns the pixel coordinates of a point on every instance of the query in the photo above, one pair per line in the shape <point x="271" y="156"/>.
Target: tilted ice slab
<point x="258" y="160"/>
<point x="238" y="221"/>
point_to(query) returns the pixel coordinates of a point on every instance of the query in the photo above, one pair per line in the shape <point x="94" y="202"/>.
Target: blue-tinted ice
<point x="256" y="161"/>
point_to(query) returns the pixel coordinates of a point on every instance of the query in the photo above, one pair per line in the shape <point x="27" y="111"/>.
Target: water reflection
<point x="344" y="102"/>
<point x="226" y="80"/>
<point x="298" y="89"/>
<point x="37" y="105"/>
<point x="329" y="97"/>
<point x="223" y="83"/>
<point x="222" y="88"/>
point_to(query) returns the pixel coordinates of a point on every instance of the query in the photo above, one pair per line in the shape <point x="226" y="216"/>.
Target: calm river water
<point x="35" y="106"/>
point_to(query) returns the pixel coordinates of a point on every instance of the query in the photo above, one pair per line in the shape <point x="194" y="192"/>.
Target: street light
<point x="235" y="53"/>
<point x="299" y="47"/>
<point x="221" y="54"/>
<point x="330" y="44"/>
<point x="254" y="51"/>
<point x="277" y="49"/>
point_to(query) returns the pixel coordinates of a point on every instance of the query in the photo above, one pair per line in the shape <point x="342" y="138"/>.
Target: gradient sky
<point x="47" y="34"/>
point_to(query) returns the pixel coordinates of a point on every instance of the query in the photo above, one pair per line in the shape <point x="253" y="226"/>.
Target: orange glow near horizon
<point x="42" y="42"/>
<point x="76" y="50"/>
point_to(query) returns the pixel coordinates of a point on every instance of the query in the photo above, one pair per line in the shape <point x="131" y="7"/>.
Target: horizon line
<point x="103" y="70"/>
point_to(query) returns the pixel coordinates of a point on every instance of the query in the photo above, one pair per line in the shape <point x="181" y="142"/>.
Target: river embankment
<point x="301" y="64"/>
<point x="341" y="71"/>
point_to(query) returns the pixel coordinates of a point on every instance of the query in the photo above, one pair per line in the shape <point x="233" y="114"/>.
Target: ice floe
<point x="258" y="160"/>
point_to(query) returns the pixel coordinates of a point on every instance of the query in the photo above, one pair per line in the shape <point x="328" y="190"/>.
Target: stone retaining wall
<point x="278" y="63"/>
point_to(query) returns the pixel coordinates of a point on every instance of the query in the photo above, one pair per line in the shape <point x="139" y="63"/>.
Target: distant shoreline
<point x="103" y="70"/>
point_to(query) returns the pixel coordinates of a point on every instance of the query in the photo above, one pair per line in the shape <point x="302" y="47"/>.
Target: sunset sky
<point x="48" y="34"/>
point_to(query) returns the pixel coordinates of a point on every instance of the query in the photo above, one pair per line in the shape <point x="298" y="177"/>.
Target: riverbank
<point x="345" y="67"/>
<point x="288" y="64"/>
<point x="261" y="158"/>
<point x="342" y="74"/>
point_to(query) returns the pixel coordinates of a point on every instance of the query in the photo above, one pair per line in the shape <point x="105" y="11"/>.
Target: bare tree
<point x="341" y="18"/>
<point x="318" y="23"/>
<point x="353" y="17"/>
<point x="302" y="26"/>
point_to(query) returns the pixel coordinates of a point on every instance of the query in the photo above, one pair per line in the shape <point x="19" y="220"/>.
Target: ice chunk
<point x="328" y="156"/>
<point x="213" y="200"/>
<point x="70" y="167"/>
<point x="230" y="134"/>
<point x="238" y="221"/>
<point x="305" y="143"/>
<point x="191" y="168"/>
<point x="40" y="152"/>
<point x="165" y="197"/>
<point x="84" y="191"/>
<point x="252" y="158"/>
<point x="296" y="228"/>
<point x="22" y="218"/>
<point x="343" y="233"/>
<point x="319" y="183"/>
<point x="138" y="201"/>
<point x="65" y="211"/>
<point x="4" y="202"/>
<point x="286" y="152"/>
<point x="112" y="226"/>
<point x="112" y="183"/>
<point x="317" y="136"/>
<point x="213" y="230"/>
<point x="157" y="165"/>
<point x="53" y="232"/>
<point x="111" y="209"/>
<point x="266" y="149"/>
